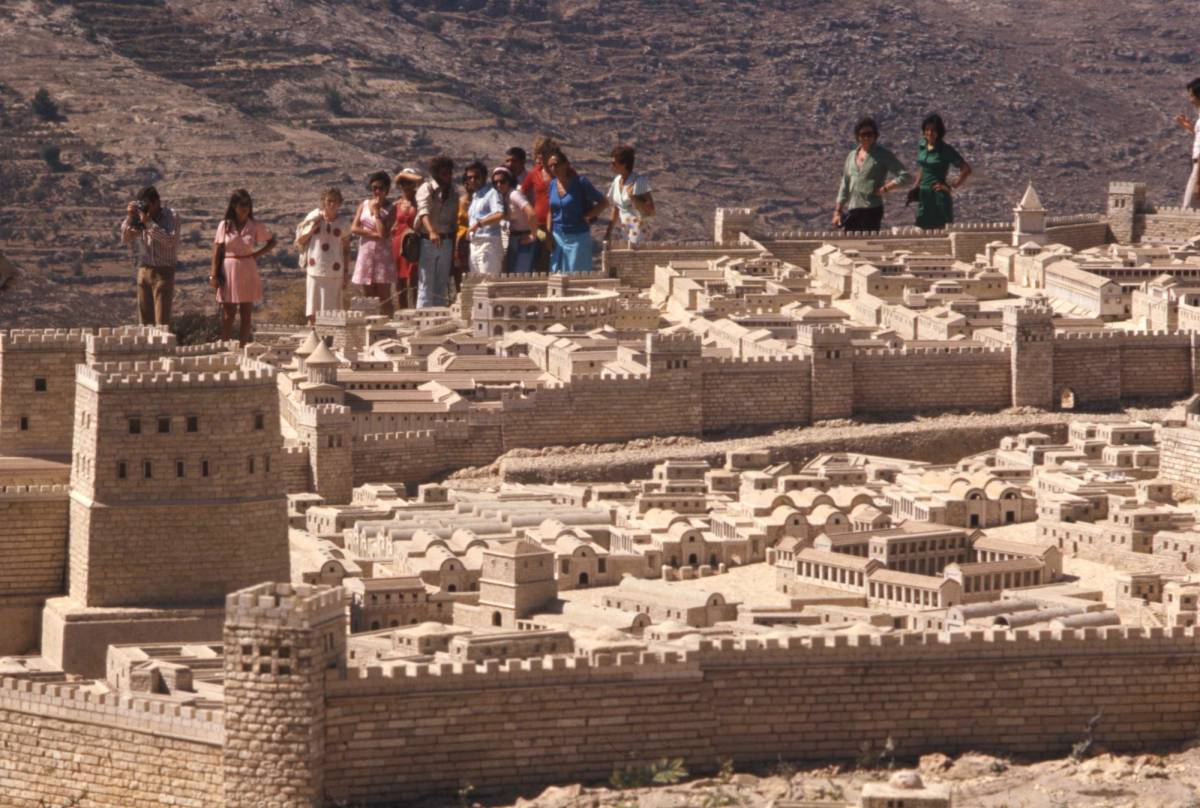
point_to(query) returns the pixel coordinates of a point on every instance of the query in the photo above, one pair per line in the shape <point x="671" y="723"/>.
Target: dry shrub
<point x="286" y="304"/>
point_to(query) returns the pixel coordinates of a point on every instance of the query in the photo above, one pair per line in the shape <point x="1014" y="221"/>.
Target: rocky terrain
<point x="729" y="102"/>
<point x="977" y="781"/>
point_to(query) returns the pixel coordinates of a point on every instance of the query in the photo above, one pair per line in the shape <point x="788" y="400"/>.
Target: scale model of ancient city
<point x="252" y="577"/>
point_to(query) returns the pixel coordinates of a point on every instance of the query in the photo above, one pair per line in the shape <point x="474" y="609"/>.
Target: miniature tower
<point x="1029" y="219"/>
<point x="321" y="365"/>
<point x="1126" y="202"/>
<point x="176" y="500"/>
<point x="730" y="223"/>
<point x="831" y="353"/>
<point x="37" y="390"/>
<point x="517" y="579"/>
<point x="326" y="430"/>
<point x="280" y="641"/>
<point x="1029" y="330"/>
<point x="671" y="352"/>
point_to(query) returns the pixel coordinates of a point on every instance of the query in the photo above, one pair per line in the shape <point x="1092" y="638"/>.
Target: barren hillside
<point x="730" y="102"/>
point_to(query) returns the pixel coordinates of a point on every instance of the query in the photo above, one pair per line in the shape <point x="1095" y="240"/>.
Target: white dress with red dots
<point x="322" y="260"/>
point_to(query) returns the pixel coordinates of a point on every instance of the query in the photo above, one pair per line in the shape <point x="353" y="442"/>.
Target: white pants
<point x="322" y="294"/>
<point x="1189" y="196"/>
<point x="487" y="255"/>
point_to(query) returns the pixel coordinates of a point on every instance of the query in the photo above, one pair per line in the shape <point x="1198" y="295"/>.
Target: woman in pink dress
<point x="375" y="268"/>
<point x="406" y="214"/>
<point x="236" y="278"/>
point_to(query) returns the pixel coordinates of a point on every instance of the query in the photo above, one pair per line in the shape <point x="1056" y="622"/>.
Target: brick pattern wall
<point x="63" y="745"/>
<point x="33" y="540"/>
<point x="44" y="414"/>
<point x="765" y="393"/>
<point x="1179" y="457"/>
<point x="887" y="381"/>
<point x="425" y="733"/>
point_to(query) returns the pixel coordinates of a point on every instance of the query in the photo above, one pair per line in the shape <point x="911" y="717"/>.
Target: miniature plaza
<point x="252" y="577"/>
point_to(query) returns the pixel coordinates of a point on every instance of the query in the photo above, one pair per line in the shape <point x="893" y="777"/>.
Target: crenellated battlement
<point x="43" y="339"/>
<point x="949" y="350"/>
<point x="832" y="649"/>
<point x="130" y="338"/>
<point x="218" y="370"/>
<point x="72" y="701"/>
<point x="285" y="605"/>
<point x="33" y="492"/>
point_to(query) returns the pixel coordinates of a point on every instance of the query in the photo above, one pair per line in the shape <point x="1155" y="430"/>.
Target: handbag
<point x="218" y="267"/>
<point x="410" y="246"/>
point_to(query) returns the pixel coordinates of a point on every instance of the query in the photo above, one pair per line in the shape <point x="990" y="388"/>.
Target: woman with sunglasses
<point x="236" y="277"/>
<point x="376" y="266"/>
<point x="522" y="245"/>
<point x="574" y="205"/>
<point x="865" y="180"/>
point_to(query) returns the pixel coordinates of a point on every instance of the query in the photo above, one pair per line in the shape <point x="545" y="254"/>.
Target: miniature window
<point x="193" y="423"/>
<point x="203" y="468"/>
<point x="122" y="470"/>
<point x="24" y="423"/>
<point x="179" y="468"/>
<point x="135" y="426"/>
<point x="39" y="385"/>
<point x="250" y="465"/>
<point x="147" y="470"/>
<point x="267" y="463"/>
<point x="259" y="421"/>
<point x="164" y="425"/>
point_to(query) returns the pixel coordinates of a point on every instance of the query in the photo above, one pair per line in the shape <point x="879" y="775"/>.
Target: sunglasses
<point x="378" y="187"/>
<point x="498" y="180"/>
<point x="868" y="133"/>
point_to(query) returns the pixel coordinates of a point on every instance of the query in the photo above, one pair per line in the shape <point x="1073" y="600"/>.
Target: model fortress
<point x="239" y="578"/>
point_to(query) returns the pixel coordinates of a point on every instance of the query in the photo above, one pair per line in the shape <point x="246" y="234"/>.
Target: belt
<point x="442" y="235"/>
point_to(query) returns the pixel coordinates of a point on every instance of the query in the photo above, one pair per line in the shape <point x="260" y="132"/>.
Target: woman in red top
<point x="406" y="214"/>
<point x="536" y="189"/>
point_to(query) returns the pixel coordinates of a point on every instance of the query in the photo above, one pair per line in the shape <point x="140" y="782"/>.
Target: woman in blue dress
<point x="935" y="158"/>
<point x="574" y="205"/>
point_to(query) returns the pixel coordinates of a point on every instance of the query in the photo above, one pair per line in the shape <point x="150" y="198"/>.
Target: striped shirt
<point x="156" y="245"/>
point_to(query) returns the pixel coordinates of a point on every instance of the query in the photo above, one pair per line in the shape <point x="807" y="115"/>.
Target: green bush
<point x="53" y="156"/>
<point x="334" y="101"/>
<point x="44" y="105"/>
<point x="196" y="327"/>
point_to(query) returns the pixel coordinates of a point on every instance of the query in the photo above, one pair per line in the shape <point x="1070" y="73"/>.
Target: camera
<point x="143" y="206"/>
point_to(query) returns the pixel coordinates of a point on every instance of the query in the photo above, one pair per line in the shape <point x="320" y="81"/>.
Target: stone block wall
<point x="1175" y="224"/>
<point x="424" y="732"/>
<point x="1179" y="456"/>
<point x="37" y="390"/>
<point x="1079" y="235"/>
<point x="33" y="546"/>
<point x="929" y="379"/>
<point x="764" y="393"/>
<point x="63" y="745"/>
<point x="636" y="267"/>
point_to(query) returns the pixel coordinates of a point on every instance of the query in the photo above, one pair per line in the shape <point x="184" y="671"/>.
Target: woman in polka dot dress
<point x="323" y="239"/>
<point x="375" y="268"/>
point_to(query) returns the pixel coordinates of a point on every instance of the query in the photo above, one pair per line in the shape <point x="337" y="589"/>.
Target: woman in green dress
<point x="935" y="158"/>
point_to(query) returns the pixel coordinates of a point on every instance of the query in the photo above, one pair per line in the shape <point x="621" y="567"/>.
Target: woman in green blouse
<point x="935" y="157"/>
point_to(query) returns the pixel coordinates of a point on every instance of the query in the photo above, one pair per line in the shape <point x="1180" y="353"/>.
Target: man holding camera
<point x="153" y="231"/>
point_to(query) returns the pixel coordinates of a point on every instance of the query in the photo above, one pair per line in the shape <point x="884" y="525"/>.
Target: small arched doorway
<point x="692" y="559"/>
<point x="583" y="579"/>
<point x="497" y="620"/>
<point x="1066" y="399"/>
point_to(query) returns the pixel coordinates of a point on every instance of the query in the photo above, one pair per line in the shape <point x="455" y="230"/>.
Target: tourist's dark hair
<point x="379" y="176"/>
<point x="623" y="156"/>
<point x="479" y="168"/>
<point x="866" y="122"/>
<point x="149" y="195"/>
<point x="935" y="120"/>
<point x="517" y="152"/>
<point x="332" y="193"/>
<point x="1194" y="87"/>
<point x="239" y="197"/>
<point x="556" y="152"/>
<point x="440" y="164"/>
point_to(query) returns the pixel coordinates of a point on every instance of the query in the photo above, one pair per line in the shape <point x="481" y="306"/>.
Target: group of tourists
<point x="413" y="250"/>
